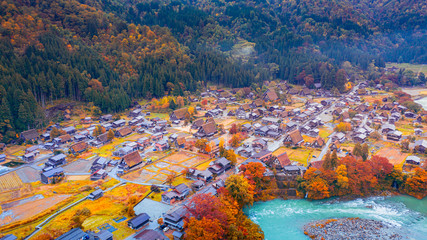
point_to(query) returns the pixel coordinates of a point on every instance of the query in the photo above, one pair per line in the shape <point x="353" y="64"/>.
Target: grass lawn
<point x="308" y="138"/>
<point x="299" y="155"/>
<point x="156" y="196"/>
<point x="109" y="183"/>
<point x="324" y="133"/>
<point x="163" y="116"/>
<point x="182" y="179"/>
<point x="203" y="166"/>
<point x="406" y="128"/>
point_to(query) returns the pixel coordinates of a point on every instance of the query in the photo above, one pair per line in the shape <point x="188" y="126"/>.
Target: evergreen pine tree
<point x="23" y="116"/>
<point x="365" y="151"/>
<point x="357" y="150"/>
<point x="327" y="164"/>
<point x="172" y="104"/>
<point x="334" y="160"/>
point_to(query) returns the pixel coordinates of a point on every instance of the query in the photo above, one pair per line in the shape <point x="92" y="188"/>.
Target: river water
<point x="423" y="102"/>
<point x="284" y="219"/>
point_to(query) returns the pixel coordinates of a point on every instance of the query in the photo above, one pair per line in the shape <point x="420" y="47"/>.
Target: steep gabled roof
<point x="181" y="188"/>
<point x="257" y="102"/>
<point x="180" y="113"/>
<point x="271" y="95"/>
<point x="65" y="137"/>
<point x="209" y="128"/>
<point x="296" y="137"/>
<point x="320" y="142"/>
<point x="103" y="137"/>
<point x="246" y="107"/>
<point x="124" y="131"/>
<point x="180" y="140"/>
<point x="132" y="159"/>
<point x="210" y="120"/>
<point x="30" y="134"/>
<point x="78" y="147"/>
<point x="198" y="122"/>
<point x="345" y="115"/>
<point x="284" y="159"/>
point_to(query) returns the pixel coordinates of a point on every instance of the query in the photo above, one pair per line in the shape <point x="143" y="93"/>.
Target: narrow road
<point x="31" y="165"/>
<point x="325" y="148"/>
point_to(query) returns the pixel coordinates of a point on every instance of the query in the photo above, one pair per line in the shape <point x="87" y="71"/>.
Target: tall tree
<point x="365" y="151"/>
<point x="240" y="189"/>
<point x="330" y="162"/>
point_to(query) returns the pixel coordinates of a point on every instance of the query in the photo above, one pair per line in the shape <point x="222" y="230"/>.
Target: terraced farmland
<point x="10" y="181"/>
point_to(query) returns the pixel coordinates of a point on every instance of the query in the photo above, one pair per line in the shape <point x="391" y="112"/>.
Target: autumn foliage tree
<point x="254" y="172"/>
<point x="330" y="161"/>
<point x="223" y="212"/>
<point x="170" y="178"/>
<point x="110" y="135"/>
<point x="233" y="129"/>
<point x="204" y="229"/>
<point x="351" y="176"/>
<point x="416" y="185"/>
<point x="343" y="127"/>
<point x="207" y="206"/>
<point x="240" y="189"/>
<point x="236" y="139"/>
<point x="201" y="144"/>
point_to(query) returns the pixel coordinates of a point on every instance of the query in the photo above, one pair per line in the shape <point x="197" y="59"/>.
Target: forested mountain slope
<point x="53" y="49"/>
<point x="111" y="52"/>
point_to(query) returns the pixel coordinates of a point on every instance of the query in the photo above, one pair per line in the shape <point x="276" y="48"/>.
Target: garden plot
<point x="10" y="181"/>
<point x="28" y="174"/>
<point x="26" y="208"/>
<point x="79" y="166"/>
<point x="178" y="157"/>
<point x="394" y="155"/>
<point x="157" y="172"/>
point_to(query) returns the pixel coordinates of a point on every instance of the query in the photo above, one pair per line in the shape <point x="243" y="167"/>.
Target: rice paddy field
<point x="175" y="163"/>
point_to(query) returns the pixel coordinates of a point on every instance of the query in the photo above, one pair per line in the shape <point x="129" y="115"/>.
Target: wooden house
<point x="123" y="132"/>
<point x="206" y="130"/>
<point x="52" y="176"/>
<point x="30" y="135"/>
<point x="283" y="160"/>
<point x="130" y="160"/>
<point x="318" y="143"/>
<point x="293" y="138"/>
<point x="179" y="114"/>
<point x="63" y="139"/>
<point x="79" y="147"/>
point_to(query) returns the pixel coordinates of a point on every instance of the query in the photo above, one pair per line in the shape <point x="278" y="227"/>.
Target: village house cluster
<point x="278" y="127"/>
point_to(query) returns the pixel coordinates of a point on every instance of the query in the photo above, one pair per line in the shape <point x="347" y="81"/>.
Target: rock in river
<point x="350" y="228"/>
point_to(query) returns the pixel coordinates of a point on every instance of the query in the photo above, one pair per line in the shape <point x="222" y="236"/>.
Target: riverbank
<point x="350" y="228"/>
<point x="416" y="92"/>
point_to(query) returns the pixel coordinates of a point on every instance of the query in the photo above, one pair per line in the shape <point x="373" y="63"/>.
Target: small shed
<point x="177" y="235"/>
<point x="139" y="221"/>
<point x="95" y="194"/>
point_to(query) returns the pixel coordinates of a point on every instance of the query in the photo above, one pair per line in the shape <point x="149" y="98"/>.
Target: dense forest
<point x="112" y="52"/>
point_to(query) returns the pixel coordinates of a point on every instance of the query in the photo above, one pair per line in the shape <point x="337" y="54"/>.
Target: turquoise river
<point x="284" y="219"/>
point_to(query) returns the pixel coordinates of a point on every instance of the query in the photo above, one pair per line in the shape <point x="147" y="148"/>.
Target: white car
<point x="165" y="229"/>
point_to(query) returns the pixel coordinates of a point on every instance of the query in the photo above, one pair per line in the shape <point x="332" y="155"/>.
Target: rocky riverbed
<point x="350" y="228"/>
